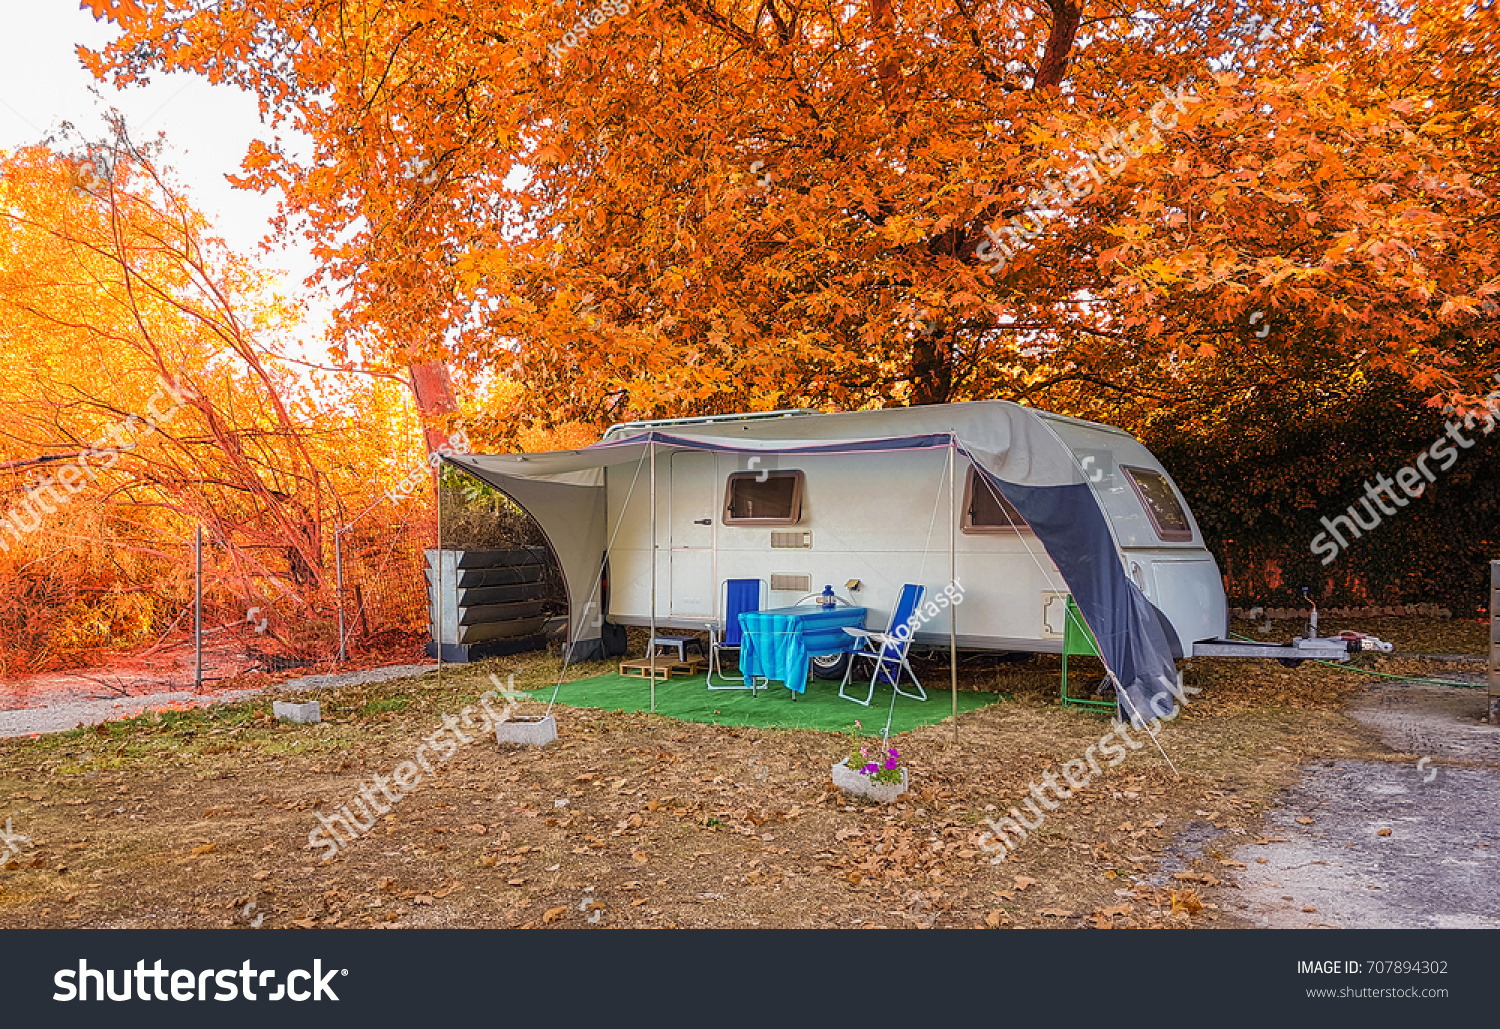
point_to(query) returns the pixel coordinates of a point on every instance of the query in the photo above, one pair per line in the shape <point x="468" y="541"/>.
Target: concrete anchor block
<point x="303" y="714"/>
<point x="527" y="730"/>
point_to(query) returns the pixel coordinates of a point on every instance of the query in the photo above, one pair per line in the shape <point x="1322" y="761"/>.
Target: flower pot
<point x="851" y="781"/>
<point x="527" y="730"/>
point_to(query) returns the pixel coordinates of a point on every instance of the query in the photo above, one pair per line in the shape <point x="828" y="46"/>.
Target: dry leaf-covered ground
<point x="190" y="818"/>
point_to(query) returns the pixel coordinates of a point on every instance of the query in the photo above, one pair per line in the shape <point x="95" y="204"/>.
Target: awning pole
<point x="953" y="579"/>
<point x="650" y="648"/>
<point x="442" y="609"/>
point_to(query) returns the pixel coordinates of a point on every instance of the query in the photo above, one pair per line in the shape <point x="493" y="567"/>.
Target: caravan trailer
<point x="1018" y="508"/>
<point x="882" y="519"/>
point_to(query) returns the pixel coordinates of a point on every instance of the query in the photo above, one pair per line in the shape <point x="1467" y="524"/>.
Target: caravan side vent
<point x="791" y="540"/>
<point x="792" y="583"/>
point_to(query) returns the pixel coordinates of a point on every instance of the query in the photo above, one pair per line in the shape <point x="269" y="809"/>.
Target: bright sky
<point x="43" y="84"/>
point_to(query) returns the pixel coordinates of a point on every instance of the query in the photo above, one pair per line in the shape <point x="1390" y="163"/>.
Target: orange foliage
<point x="733" y="205"/>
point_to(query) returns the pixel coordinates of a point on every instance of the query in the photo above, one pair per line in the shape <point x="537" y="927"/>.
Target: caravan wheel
<point x="831" y="666"/>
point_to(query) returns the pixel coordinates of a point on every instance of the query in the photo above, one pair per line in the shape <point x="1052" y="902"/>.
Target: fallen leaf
<point x="638" y="856"/>
<point x="1022" y="882"/>
<point x="421" y="898"/>
<point x="207" y="848"/>
<point x="305" y="923"/>
<point x="515" y="882"/>
<point x="1310" y="911"/>
<point x="489" y="860"/>
<point x="994" y="918"/>
<point x="1304" y="820"/>
<point x="1383" y="832"/>
<point x="1117" y="909"/>
<point x="1055" y="913"/>
<point x="1185" y="902"/>
<point x="553" y="914"/>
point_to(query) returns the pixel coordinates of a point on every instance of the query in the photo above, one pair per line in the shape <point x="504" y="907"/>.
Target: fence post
<point x="1495" y="642"/>
<point x="198" y="609"/>
<point x="338" y="566"/>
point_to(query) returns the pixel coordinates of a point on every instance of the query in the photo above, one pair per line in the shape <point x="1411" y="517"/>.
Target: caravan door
<point x="693" y="501"/>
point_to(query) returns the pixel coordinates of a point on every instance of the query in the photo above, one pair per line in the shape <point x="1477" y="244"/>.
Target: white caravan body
<point x="886" y="518"/>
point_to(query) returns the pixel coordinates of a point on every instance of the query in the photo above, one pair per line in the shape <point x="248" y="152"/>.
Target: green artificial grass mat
<point x="820" y="708"/>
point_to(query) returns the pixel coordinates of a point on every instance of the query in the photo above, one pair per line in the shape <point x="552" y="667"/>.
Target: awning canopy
<point x="1015" y="451"/>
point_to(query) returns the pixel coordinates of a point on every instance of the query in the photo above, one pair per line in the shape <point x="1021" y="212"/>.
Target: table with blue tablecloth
<point x="778" y="643"/>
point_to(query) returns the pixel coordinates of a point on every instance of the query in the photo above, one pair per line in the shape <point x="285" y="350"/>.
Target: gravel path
<point x="69" y="714"/>
<point x="1389" y="845"/>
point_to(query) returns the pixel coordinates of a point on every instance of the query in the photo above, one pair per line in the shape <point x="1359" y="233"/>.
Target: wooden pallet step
<point x="641" y="668"/>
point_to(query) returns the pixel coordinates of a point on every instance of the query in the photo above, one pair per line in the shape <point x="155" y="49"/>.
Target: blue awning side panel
<point x="1073" y="529"/>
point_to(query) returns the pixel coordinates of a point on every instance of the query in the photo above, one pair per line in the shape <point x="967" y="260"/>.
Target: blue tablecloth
<point x="778" y="643"/>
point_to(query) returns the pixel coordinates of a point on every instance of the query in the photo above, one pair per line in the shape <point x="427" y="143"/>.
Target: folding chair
<point x="740" y="596"/>
<point x="890" y="655"/>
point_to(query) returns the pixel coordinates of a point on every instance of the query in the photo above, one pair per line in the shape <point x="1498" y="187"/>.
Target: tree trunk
<point x="931" y="369"/>
<point x="433" y="388"/>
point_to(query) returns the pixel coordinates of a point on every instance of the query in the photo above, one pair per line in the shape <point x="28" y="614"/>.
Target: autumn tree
<point x="698" y="206"/>
<point x="151" y="390"/>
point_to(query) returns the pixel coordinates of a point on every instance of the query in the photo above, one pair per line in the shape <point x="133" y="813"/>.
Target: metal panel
<point x="1494" y="642"/>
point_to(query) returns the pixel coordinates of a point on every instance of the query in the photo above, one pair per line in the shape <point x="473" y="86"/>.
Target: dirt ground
<point x="201" y="818"/>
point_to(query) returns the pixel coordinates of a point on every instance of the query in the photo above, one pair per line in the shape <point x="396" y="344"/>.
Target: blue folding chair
<point x="888" y="649"/>
<point x="740" y="596"/>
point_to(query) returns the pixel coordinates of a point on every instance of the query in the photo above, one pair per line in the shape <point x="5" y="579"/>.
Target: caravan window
<point x="986" y="511"/>
<point x="1161" y="503"/>
<point x="763" y="498"/>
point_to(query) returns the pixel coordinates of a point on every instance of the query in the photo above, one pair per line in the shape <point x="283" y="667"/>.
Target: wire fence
<point x="381" y="576"/>
<point x="88" y="590"/>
